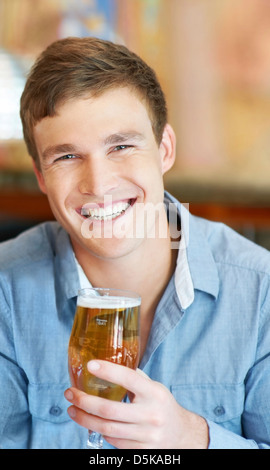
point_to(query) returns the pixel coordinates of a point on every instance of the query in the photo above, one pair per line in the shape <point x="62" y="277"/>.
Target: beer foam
<point x="108" y="302"/>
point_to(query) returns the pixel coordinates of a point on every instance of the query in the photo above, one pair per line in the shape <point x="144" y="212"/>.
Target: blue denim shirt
<point x="209" y="342"/>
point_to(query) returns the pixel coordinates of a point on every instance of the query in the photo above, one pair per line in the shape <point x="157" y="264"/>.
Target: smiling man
<point x="95" y="124"/>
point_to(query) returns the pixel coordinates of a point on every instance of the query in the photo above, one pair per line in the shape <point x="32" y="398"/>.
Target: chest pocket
<point x="47" y="402"/>
<point x="218" y="403"/>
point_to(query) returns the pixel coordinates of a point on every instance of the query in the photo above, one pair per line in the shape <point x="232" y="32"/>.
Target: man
<point x="95" y="123"/>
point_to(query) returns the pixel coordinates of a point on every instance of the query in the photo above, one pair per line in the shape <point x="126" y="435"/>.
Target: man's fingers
<point x="136" y="382"/>
<point x="102" y="407"/>
<point x="106" y="427"/>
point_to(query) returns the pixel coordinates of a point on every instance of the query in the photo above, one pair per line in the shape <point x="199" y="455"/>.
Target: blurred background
<point x="213" y="61"/>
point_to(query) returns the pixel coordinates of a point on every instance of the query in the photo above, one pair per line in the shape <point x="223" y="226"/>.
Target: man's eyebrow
<point x="58" y="149"/>
<point x="123" y="137"/>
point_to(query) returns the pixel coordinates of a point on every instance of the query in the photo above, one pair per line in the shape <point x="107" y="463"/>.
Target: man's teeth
<point x="106" y="213"/>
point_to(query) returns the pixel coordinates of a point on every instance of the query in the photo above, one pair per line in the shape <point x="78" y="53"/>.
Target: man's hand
<point x="152" y="420"/>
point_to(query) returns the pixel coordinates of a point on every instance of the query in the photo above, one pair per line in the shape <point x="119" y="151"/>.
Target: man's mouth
<point x="109" y="212"/>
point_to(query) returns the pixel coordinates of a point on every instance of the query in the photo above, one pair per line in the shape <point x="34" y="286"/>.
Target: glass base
<point x="95" y="440"/>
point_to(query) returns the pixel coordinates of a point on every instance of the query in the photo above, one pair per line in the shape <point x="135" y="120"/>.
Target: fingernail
<point x="68" y="395"/>
<point x="93" y="365"/>
<point x="72" y="412"/>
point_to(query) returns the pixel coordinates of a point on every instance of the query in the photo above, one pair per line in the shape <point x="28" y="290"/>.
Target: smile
<point x="109" y="212"/>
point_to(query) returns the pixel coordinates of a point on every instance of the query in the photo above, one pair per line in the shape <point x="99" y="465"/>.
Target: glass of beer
<point x="106" y="326"/>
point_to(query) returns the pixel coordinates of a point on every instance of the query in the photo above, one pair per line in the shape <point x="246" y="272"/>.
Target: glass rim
<point x="121" y="293"/>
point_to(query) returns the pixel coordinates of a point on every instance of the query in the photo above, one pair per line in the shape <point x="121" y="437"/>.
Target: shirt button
<point x="219" y="410"/>
<point x="55" y="410"/>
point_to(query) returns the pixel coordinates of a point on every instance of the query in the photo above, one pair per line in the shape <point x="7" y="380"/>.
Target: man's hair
<point x="79" y="67"/>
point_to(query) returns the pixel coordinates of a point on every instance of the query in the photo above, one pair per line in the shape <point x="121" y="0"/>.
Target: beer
<point x="108" y="329"/>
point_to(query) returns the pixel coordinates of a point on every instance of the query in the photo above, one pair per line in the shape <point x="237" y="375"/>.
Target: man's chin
<point x="105" y="248"/>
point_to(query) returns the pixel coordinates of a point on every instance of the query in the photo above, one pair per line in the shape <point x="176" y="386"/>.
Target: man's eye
<point x="66" y="157"/>
<point x="121" y="147"/>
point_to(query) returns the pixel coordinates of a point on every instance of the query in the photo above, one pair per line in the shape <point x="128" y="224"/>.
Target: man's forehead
<point x="95" y="96"/>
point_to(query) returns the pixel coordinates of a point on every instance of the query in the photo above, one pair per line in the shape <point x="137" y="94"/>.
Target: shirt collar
<point x="84" y="281"/>
<point x="65" y="268"/>
<point x="196" y="267"/>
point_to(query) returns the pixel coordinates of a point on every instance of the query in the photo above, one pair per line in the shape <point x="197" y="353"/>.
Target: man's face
<point x="100" y="164"/>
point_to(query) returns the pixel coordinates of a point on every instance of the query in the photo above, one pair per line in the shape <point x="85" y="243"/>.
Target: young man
<point x="95" y="124"/>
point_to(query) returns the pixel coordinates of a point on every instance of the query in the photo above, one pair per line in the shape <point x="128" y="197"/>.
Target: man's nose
<point x="98" y="177"/>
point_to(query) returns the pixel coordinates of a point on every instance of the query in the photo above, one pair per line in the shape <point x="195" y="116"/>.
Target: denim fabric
<point x="209" y="342"/>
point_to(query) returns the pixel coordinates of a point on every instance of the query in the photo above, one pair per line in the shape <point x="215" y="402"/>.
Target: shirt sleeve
<point x="14" y="415"/>
<point x="221" y="438"/>
<point x="256" y="413"/>
<point x="256" y="417"/>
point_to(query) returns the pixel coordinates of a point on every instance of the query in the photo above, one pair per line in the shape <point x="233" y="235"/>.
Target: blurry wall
<point x="213" y="59"/>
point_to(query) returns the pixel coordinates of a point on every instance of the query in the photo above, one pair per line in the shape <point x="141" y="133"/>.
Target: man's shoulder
<point x="30" y="246"/>
<point x="229" y="247"/>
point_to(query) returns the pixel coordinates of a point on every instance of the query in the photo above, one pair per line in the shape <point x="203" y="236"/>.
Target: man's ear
<point x="40" y="178"/>
<point x="167" y="148"/>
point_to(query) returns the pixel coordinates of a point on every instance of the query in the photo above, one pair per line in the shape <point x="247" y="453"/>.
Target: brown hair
<point x="76" y="67"/>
